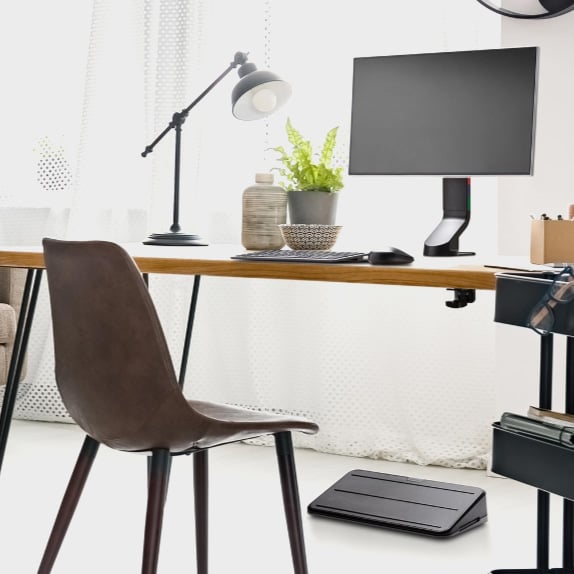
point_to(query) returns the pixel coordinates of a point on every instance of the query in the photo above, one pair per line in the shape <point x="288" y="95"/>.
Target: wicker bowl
<point x="310" y="236"/>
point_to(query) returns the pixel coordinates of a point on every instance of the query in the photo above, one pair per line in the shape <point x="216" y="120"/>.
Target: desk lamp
<point x="257" y="94"/>
<point x="532" y="9"/>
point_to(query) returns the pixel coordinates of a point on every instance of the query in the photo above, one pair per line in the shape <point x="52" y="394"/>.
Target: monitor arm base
<point x="443" y="241"/>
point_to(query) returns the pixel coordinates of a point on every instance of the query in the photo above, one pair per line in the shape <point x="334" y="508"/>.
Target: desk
<point x="464" y="273"/>
<point x="448" y="273"/>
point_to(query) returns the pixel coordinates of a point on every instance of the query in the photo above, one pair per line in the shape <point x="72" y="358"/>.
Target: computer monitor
<point x="453" y="114"/>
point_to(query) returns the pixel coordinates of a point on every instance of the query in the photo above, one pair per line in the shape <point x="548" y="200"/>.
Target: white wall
<point x="549" y="190"/>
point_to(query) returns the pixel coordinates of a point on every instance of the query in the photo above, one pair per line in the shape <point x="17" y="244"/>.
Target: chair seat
<point x="232" y="424"/>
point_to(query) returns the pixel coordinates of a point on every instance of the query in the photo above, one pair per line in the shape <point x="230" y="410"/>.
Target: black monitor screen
<point x="450" y="113"/>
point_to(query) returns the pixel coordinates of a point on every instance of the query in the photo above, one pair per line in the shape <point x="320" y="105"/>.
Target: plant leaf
<point x="329" y="146"/>
<point x="299" y="169"/>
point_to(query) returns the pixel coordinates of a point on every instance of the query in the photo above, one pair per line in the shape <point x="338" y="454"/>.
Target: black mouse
<point x="390" y="256"/>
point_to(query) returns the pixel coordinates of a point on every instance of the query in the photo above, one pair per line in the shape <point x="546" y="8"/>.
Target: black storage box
<point x="518" y="293"/>
<point x="533" y="461"/>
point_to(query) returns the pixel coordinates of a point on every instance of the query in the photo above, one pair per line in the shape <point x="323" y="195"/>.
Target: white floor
<point x="247" y="529"/>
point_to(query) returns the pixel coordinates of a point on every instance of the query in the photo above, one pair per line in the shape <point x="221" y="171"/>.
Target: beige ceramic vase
<point x="264" y="209"/>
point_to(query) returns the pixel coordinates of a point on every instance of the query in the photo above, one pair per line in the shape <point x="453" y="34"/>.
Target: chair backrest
<point x="113" y="367"/>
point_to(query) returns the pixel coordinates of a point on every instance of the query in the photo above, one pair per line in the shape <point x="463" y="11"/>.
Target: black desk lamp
<point x="257" y="94"/>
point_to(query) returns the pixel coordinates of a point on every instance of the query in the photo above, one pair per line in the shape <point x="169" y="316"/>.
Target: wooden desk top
<point x="446" y="272"/>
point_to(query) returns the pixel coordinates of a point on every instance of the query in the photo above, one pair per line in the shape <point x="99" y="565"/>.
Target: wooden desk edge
<point x="462" y="277"/>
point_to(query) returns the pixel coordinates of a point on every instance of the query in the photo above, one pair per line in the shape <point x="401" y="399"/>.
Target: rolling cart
<point x="544" y="465"/>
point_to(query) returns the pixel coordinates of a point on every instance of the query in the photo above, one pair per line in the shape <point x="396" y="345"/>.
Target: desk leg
<point x="189" y="329"/>
<point x="543" y="502"/>
<point x="29" y="298"/>
<point x="568" y="511"/>
<point x="184" y="359"/>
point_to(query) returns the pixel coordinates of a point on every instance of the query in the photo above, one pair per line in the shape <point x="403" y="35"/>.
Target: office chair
<point x="117" y="381"/>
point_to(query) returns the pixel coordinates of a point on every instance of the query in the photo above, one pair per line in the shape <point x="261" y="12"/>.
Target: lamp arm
<point x="178" y="118"/>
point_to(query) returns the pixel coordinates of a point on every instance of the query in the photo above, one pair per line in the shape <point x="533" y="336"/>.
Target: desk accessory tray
<point x="428" y="507"/>
<point x="517" y="293"/>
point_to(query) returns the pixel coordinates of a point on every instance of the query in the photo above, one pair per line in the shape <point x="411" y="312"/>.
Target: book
<point x="547" y="415"/>
<point x="556" y="433"/>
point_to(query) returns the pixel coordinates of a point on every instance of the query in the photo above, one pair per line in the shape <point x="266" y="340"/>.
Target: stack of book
<point x="543" y="424"/>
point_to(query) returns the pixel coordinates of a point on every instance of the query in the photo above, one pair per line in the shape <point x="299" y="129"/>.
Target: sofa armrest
<point x="7" y="334"/>
<point x="12" y="283"/>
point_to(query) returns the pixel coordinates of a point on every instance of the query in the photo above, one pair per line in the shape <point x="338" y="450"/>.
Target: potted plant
<point x="310" y="179"/>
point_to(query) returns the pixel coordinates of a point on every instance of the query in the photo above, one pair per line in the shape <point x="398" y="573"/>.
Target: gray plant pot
<point x="312" y="207"/>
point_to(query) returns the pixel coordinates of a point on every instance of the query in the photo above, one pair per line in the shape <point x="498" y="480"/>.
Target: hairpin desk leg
<point x="189" y="329"/>
<point x="29" y="298"/>
<point x="184" y="357"/>
<point x="568" y="512"/>
<point x="545" y="402"/>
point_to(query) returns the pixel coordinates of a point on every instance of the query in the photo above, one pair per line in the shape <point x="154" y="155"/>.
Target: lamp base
<point x="174" y="238"/>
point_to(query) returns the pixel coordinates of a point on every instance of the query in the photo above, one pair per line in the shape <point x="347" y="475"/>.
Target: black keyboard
<point x="303" y="255"/>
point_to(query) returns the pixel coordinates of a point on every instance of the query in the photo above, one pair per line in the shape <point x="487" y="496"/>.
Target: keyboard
<point x="303" y="255"/>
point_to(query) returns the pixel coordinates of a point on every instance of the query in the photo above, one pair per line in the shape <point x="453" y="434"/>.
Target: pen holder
<point x="551" y="241"/>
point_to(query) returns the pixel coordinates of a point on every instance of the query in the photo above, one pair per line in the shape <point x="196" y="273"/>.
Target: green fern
<point x="301" y="171"/>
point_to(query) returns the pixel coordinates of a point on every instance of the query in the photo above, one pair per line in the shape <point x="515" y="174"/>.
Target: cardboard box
<point x="551" y="241"/>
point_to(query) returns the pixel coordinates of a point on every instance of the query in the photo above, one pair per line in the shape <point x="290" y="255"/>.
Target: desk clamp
<point x="462" y="297"/>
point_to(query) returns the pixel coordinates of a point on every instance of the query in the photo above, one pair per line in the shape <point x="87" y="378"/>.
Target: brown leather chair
<point x="117" y="381"/>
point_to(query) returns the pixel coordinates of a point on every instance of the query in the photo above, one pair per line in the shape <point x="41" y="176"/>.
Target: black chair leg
<point x="289" y="487"/>
<point x="157" y="487"/>
<point x="69" y="503"/>
<point x="200" y="490"/>
<point x="169" y="463"/>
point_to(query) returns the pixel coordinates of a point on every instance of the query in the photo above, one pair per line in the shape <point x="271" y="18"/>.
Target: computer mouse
<point x="389" y="256"/>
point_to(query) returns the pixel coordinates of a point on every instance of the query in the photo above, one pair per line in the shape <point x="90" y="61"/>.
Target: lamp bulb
<point x="264" y="100"/>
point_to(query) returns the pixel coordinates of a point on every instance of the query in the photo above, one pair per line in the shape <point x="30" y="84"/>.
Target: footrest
<point x="420" y="506"/>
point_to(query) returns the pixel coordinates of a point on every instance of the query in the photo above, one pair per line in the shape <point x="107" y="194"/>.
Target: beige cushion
<point x="7" y="324"/>
<point x="11" y="288"/>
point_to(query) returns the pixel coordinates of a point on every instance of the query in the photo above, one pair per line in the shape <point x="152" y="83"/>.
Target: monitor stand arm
<point x="443" y="241"/>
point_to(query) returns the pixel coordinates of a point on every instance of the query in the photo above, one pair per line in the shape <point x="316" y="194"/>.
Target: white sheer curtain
<point x="387" y="372"/>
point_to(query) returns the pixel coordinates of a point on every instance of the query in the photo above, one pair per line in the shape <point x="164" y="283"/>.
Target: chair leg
<point x="284" y="448"/>
<point x="200" y="490"/>
<point x="157" y="485"/>
<point x="169" y="463"/>
<point x="69" y="503"/>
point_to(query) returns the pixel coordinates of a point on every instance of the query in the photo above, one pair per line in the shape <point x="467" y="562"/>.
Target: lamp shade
<point x="258" y="94"/>
<point x="529" y="9"/>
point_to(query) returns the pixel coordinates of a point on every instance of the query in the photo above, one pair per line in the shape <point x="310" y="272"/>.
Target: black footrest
<point x="403" y="503"/>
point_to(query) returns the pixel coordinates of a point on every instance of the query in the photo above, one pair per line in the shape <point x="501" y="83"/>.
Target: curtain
<point x="387" y="372"/>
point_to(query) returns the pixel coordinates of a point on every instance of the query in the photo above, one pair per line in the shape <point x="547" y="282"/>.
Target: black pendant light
<point x="537" y="9"/>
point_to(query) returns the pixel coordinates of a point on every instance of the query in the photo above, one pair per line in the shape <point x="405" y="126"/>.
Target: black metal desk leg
<point x="568" y="510"/>
<point x="189" y="329"/>
<point x="545" y="402"/>
<point x="29" y="299"/>
<point x="184" y="357"/>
